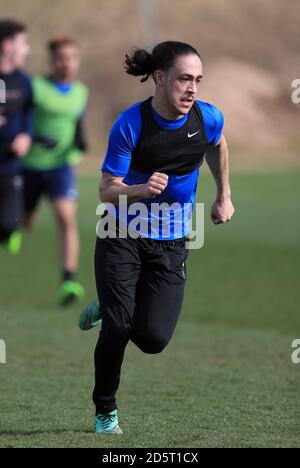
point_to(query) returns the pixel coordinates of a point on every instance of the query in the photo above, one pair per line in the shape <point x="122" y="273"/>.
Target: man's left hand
<point x="222" y="211"/>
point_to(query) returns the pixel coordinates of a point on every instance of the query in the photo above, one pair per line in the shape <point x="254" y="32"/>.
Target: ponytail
<point x="140" y="63"/>
<point x="163" y="56"/>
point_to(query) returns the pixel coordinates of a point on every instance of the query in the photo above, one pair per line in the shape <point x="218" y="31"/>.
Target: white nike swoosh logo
<point x="190" y="135"/>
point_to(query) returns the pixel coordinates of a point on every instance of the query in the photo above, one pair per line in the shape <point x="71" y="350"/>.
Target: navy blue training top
<point x="16" y="116"/>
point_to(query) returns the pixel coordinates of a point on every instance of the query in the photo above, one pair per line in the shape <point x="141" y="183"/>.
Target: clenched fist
<point x="222" y="211"/>
<point x="155" y="185"/>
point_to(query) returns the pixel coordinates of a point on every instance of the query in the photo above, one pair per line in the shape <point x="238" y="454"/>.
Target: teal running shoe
<point x="70" y="292"/>
<point x="90" y="317"/>
<point x="108" y="423"/>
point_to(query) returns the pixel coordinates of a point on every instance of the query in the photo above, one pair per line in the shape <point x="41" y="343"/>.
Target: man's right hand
<point x="155" y="185"/>
<point x="112" y="187"/>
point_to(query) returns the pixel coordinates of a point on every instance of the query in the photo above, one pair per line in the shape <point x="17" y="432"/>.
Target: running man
<point x="60" y="103"/>
<point x="154" y="153"/>
<point x="16" y="122"/>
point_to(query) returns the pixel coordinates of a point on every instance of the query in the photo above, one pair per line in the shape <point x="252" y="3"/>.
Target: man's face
<point x="17" y="49"/>
<point x="65" y="62"/>
<point x="181" y="83"/>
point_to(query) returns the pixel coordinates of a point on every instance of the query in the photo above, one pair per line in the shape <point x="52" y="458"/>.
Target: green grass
<point x="225" y="380"/>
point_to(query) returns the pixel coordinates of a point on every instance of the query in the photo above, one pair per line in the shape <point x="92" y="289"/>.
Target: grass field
<point x="225" y="380"/>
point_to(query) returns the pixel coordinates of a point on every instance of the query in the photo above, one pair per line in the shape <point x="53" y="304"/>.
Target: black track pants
<point x="140" y="285"/>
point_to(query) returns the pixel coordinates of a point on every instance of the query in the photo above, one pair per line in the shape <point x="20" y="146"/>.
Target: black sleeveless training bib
<point x="175" y="152"/>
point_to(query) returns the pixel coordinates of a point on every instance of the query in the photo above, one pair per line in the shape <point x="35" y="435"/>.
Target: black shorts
<point x="53" y="183"/>
<point x="11" y="204"/>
